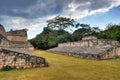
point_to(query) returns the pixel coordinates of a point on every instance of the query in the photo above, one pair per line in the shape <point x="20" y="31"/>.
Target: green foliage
<point x="85" y="30"/>
<point x="6" y="68"/>
<point x="60" y="23"/>
<point x="111" y="32"/>
<point x="55" y="32"/>
<point x="50" y="38"/>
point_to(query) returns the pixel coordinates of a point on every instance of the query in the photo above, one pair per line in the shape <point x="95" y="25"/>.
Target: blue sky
<point x="32" y="14"/>
<point x="103" y="19"/>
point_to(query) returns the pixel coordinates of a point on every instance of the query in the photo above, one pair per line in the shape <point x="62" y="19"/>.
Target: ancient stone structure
<point x="14" y="39"/>
<point x="89" y="47"/>
<point x="15" y="50"/>
<point x="17" y="35"/>
<point x="89" y="38"/>
<point x="20" y="59"/>
<point x="2" y="30"/>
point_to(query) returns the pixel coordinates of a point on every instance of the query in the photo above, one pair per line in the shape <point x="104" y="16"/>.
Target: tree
<point x="50" y="38"/>
<point x="55" y="32"/>
<point x="60" y="23"/>
<point x="112" y="31"/>
<point x="83" y="30"/>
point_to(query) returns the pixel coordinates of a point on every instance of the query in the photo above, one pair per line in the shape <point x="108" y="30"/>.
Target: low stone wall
<point x="113" y="53"/>
<point x="89" y="43"/>
<point x="90" y="48"/>
<point x="20" y="59"/>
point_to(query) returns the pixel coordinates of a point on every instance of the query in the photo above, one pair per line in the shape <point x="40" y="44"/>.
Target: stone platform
<point x="89" y="48"/>
<point x="96" y="52"/>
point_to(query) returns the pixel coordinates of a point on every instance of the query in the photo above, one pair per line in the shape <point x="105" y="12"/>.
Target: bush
<point x="6" y="68"/>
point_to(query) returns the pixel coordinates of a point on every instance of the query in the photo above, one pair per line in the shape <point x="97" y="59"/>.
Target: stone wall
<point x="21" y="45"/>
<point x="113" y="53"/>
<point x="2" y="30"/>
<point x="20" y="59"/>
<point x="14" y="49"/>
<point x="17" y="35"/>
<point x="17" y="38"/>
<point x="14" y="39"/>
<point x="3" y="41"/>
<point x="89" y="48"/>
<point x="89" y="38"/>
<point x="15" y="44"/>
<point x="89" y="43"/>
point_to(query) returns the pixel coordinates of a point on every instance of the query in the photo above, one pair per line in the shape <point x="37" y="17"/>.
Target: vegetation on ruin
<point x="56" y="32"/>
<point x="67" y="68"/>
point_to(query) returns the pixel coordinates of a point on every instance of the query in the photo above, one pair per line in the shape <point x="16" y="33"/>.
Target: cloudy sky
<point x="32" y="14"/>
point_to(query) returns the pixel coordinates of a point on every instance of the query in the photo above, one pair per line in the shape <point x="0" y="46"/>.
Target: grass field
<point x="67" y="68"/>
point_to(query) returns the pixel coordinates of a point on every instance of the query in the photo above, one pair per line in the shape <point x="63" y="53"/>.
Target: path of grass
<point x="67" y="68"/>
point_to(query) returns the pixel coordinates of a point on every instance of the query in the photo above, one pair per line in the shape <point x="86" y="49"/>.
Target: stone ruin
<point x="14" y="39"/>
<point x="20" y="59"/>
<point x="15" y="50"/>
<point x="90" y="48"/>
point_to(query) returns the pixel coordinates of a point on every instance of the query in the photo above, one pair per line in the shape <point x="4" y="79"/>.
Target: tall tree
<point x="112" y="31"/>
<point x="60" y="23"/>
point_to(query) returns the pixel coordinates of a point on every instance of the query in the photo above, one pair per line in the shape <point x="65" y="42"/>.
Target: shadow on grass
<point x="7" y="68"/>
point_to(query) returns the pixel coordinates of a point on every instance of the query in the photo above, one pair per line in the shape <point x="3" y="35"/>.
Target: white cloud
<point x="23" y="23"/>
<point x="80" y="10"/>
<point x="72" y="8"/>
<point x="43" y="10"/>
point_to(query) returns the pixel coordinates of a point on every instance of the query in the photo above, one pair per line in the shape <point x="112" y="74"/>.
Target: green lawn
<point x="67" y="68"/>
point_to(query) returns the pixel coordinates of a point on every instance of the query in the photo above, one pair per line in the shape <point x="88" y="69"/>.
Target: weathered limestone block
<point x="19" y="59"/>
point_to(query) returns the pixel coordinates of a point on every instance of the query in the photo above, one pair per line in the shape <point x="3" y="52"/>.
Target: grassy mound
<point x="67" y="68"/>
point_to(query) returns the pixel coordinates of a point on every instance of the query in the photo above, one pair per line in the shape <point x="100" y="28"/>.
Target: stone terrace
<point x="90" y="49"/>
